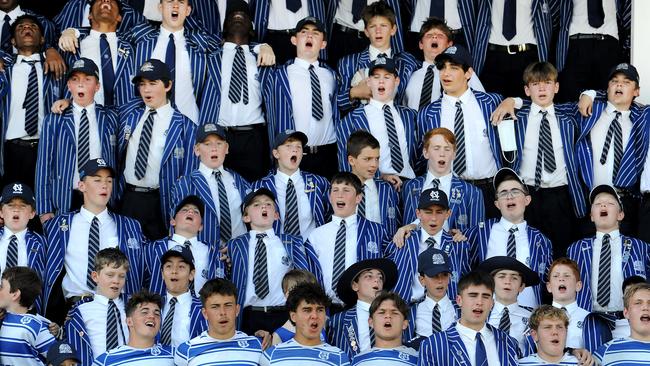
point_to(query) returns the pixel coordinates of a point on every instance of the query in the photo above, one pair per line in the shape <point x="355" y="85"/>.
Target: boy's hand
<point x="584" y="357"/>
<point x="59" y="106"/>
<point x="68" y="40"/>
<point x="506" y="107"/>
<point x="54" y="63"/>
<point x="402" y="234"/>
<point x="54" y="329"/>
<point x="266" y="338"/>
<point x="585" y="105"/>
<point x="46" y="216"/>
<point x="2" y="65"/>
<point x="393" y="179"/>
<point x="361" y="90"/>
<point x="225" y="258"/>
<point x="266" y="57"/>
<point x="457" y="235"/>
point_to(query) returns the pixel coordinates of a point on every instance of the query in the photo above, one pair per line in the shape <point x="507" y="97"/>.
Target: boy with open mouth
<point x="548" y="327"/>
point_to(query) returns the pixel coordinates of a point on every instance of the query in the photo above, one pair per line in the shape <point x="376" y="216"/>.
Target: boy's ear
<point x="578" y="286"/>
<point x="95" y="276"/>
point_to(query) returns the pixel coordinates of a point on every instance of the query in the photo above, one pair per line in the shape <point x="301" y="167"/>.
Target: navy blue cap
<point x="152" y="69"/>
<point x="344" y="286"/>
<point x="309" y="20"/>
<point x="456" y="54"/>
<point x="180" y="251"/>
<point x="385" y="63"/>
<point x="191" y="200"/>
<point x="433" y="261"/>
<point x="92" y="166"/>
<point x="493" y="264"/>
<point x="501" y="176"/>
<point x="210" y="129"/>
<point x="605" y="188"/>
<point x="626" y="69"/>
<point x="59" y="352"/>
<point x="286" y="134"/>
<point x="17" y="190"/>
<point x="433" y="196"/>
<point x="86" y="66"/>
<point x="252" y="194"/>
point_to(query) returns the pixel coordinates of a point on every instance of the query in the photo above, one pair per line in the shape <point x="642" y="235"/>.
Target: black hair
<point x="27" y="281"/>
<point x="349" y="179"/>
<point x="142" y="297"/>
<point x="359" y="140"/>
<point x="217" y="286"/>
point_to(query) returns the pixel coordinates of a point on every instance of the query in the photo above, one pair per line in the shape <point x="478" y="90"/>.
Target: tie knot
<point x="606" y="238"/>
<point x="564" y="309"/>
<point x="171" y="37"/>
<point x="311" y="67"/>
<point x="7" y="18"/>
<point x="544" y="113"/>
<point x="12" y="238"/>
<point x="217" y="173"/>
<point x="111" y="303"/>
<point x="84" y="112"/>
<point x="187" y="243"/>
<point x="617" y="115"/>
<point x="505" y="310"/>
<point x="152" y="112"/>
<point x="29" y="62"/>
<point x="513" y="229"/>
<point x="384" y="55"/>
<point x="386" y="108"/>
<point x="478" y="336"/>
<point x="95" y="221"/>
<point x="458" y="104"/>
<point x="102" y="36"/>
<point x="260" y="236"/>
<point x="173" y="301"/>
<point x="342" y="223"/>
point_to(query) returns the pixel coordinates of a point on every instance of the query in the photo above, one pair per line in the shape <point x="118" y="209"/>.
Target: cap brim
<point x="93" y="173"/>
<point x="604" y="188"/>
<point x="501" y="174"/>
<point x="344" y="286"/>
<point x="529" y="277"/>
<point x="259" y="192"/>
<point x="191" y="200"/>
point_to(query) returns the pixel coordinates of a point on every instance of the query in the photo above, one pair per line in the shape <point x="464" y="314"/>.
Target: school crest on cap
<point x="437" y="259"/>
<point x="65" y="348"/>
<point x="17" y="188"/>
<point x="78" y="64"/>
<point x="101" y="162"/>
<point x="622" y="66"/>
<point x="146" y="67"/>
<point x="451" y="50"/>
<point x="210" y="127"/>
<point x="435" y="195"/>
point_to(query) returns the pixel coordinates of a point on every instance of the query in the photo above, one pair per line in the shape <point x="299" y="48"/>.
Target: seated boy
<point x="307" y="304"/>
<point x="143" y="320"/>
<point x="289" y="281"/>
<point x="548" y="327"/>
<point x="96" y="325"/>
<point x="24" y="338"/>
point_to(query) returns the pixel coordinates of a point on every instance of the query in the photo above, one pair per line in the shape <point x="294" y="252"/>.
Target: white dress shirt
<point x="323" y="239"/>
<point x="183" y="87"/>
<point x="377" y="124"/>
<point x="76" y="253"/>
<point x="89" y="48"/>
<point x="373" y="211"/>
<point x="281" y="18"/>
<point x="616" y="279"/>
<point x="94" y="141"/>
<point x="480" y="162"/>
<point x="417" y="289"/>
<point x="234" y="199"/>
<point x="423" y="318"/>
<point x="240" y="114"/>
<point x="200" y="252"/>
<point x="319" y="132"/>
<point x="305" y="217"/>
<point x="22" y="247"/>
<point x="19" y="82"/>
<point x="604" y="174"/>
<point x="580" y="20"/>
<point x="576" y="320"/>
<point x="423" y="9"/>
<point x="468" y="336"/>
<point x="524" y="23"/>
<point x="344" y="15"/>
<point x="363" y="313"/>
<point x="277" y="264"/>
<point x="498" y="246"/>
<point x="161" y="122"/>
<point x="95" y="314"/>
<point x="531" y="147"/>
<point x="182" y="324"/>
<point x="518" y="321"/>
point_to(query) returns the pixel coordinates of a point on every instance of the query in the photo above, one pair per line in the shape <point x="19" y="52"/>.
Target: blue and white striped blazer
<point x="195" y="184"/>
<point x="178" y="158"/>
<point x="198" y="324"/>
<point x="57" y="156"/>
<point x="155" y="250"/>
<point x="131" y="242"/>
<point x="343" y="331"/>
<point x="406" y="259"/>
<point x="542" y="14"/>
<point x="465" y="202"/>
<point x="539" y="246"/>
<point x="358" y="120"/>
<point x="636" y="261"/>
<point x="72" y="16"/>
<point x="447" y="348"/>
<point x="390" y="208"/>
<point x="76" y="334"/>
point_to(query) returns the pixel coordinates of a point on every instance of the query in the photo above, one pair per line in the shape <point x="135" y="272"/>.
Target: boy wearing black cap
<point x="301" y="197"/>
<point x="393" y="125"/>
<point x="62" y="354"/>
<point x="155" y="144"/>
<point x="260" y="258"/>
<point x="358" y="286"/>
<point x="84" y="131"/>
<point x="221" y="189"/>
<point x="510" y="235"/>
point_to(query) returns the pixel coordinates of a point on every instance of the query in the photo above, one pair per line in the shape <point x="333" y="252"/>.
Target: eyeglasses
<point x="513" y="193"/>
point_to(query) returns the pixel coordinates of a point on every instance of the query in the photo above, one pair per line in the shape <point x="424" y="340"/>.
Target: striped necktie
<point x="143" y="146"/>
<point x="31" y="100"/>
<point x="108" y="74"/>
<point x="93" y="249"/>
<point x="339" y="254"/>
<point x="260" y="273"/>
<point x="361" y="210"/>
<point x="291" y="223"/>
<point x="435" y="183"/>
<point x="459" y="131"/>
<point x="614" y="132"/>
<point x="481" y="353"/>
<point x="511" y="248"/>
<point x="12" y="252"/>
<point x="112" y="322"/>
<point x="225" y="223"/>
<point x="431" y="242"/>
<point x="504" y="323"/>
<point x="436" y="322"/>
<point x="393" y="142"/>
<point x="84" y="139"/>
<point x="427" y="86"/>
<point x="166" y="330"/>
<point x="604" y="272"/>
<point x="238" y="78"/>
<point x="372" y="335"/>
<point x="544" y="150"/>
<point x="316" y="98"/>
<point x="170" y="60"/>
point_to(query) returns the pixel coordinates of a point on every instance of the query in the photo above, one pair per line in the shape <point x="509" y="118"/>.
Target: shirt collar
<point x="464" y="98"/>
<point x="285" y="178"/>
<point x="34" y="57"/>
<point x="430" y="176"/>
<point x="233" y="46"/>
<point x="104" y="300"/>
<point x="611" y="110"/>
<point x="437" y="236"/>
<point x="269" y="233"/>
<point x="178" y="35"/>
<point x="19" y="235"/>
<point x="88" y="216"/>
<point x="507" y="224"/>
<point x="470" y="333"/>
<point x="90" y="108"/>
<point x="570" y="308"/>
<point x="349" y="221"/>
<point x="184" y="298"/>
<point x="362" y="305"/>
<point x="208" y="171"/>
<point x="14" y="13"/>
<point x="304" y="63"/>
<point x="535" y="109"/>
<point x="374" y="52"/>
<point x="164" y="112"/>
<point x="612" y="235"/>
<point x="443" y="303"/>
<point x="380" y="105"/>
<point x="181" y="239"/>
<point x="110" y="36"/>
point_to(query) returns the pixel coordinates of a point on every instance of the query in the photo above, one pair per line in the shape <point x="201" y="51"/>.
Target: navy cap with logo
<point x="457" y="55"/>
<point x="605" y="188"/>
<point x="59" y="352"/>
<point x="431" y="197"/>
<point x="210" y="129"/>
<point x="503" y="174"/>
<point x="252" y="194"/>
<point x="86" y="66"/>
<point x="180" y="251"/>
<point x="152" y="70"/>
<point x="385" y="63"/>
<point x="433" y="261"/>
<point x="344" y="287"/>
<point x="283" y="136"/>
<point x="93" y="166"/>
<point x="191" y="200"/>
<point x="17" y="190"/>
<point x="309" y="20"/>
<point x="498" y="263"/>
<point x="626" y="69"/>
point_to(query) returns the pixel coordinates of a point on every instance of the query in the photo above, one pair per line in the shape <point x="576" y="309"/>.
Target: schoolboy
<point x="548" y="327"/>
<point x="155" y="142"/>
<point x="380" y="25"/>
<point x="143" y="319"/>
<point x="471" y="337"/>
<point x="301" y="197"/>
<point x="96" y="325"/>
<point x="380" y="201"/>
<point x="187" y="224"/>
<point x="307" y="304"/>
<point x="84" y="131"/>
<point x="510" y="235"/>
<point x="220" y="188"/>
<point x="24" y="338"/>
<point x="62" y="354"/>
<point x="388" y="318"/>
<point x="260" y="258"/>
<point x="289" y="281"/>
<point x="424" y="86"/>
<point x="347" y="238"/>
<point x="221" y="340"/>
<point x="359" y="285"/>
<point x="606" y="259"/>
<point x="392" y="124"/>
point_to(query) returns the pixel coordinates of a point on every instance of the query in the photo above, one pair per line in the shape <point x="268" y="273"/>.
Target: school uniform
<point x="291" y="352"/>
<point x="449" y="314"/>
<point x="57" y="168"/>
<point x="382" y="204"/>
<point x="398" y="356"/>
<point x="490" y="239"/>
<point x="75" y="15"/>
<point x="312" y="195"/>
<point x="577" y="315"/>
<point x="623" y="351"/>
<point x="517" y="316"/>
<point x="187" y="320"/>
<point x="404" y="122"/>
<point x="349" y="330"/>
<point x="24" y="340"/>
<point x="535" y="360"/>
<point x="465" y="200"/>
<point x="158" y="354"/>
<point x="241" y="349"/>
<point x="451" y="347"/>
<point x="202" y="183"/>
